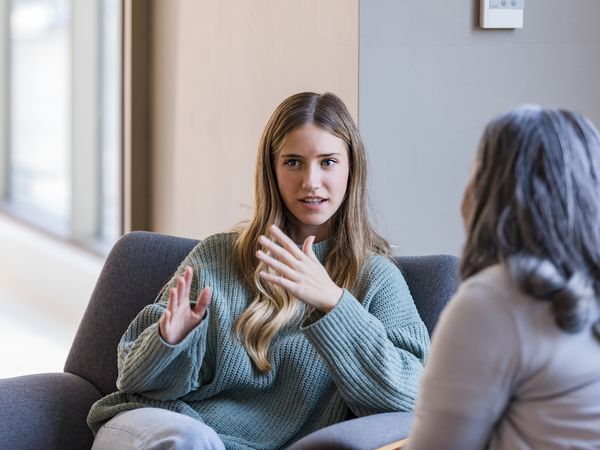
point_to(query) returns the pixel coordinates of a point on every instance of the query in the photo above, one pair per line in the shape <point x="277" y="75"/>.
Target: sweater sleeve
<point x="465" y="388"/>
<point x="374" y="349"/>
<point x="149" y="365"/>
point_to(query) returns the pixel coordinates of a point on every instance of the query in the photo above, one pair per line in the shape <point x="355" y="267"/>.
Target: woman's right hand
<point x="180" y="318"/>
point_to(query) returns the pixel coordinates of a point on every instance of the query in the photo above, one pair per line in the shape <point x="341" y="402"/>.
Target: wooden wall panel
<point x="219" y="68"/>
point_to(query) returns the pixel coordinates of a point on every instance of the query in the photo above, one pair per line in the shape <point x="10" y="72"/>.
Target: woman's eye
<point x="292" y="163"/>
<point x="328" y="162"/>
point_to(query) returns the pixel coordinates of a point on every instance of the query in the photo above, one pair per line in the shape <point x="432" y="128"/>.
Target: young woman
<point x="297" y="321"/>
<point x="515" y="362"/>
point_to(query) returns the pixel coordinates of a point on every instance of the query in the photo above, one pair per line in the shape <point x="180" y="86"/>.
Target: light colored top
<point x="365" y="356"/>
<point x="502" y="375"/>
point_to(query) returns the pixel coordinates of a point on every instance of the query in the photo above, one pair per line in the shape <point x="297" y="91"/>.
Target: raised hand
<point x="180" y="318"/>
<point x="298" y="271"/>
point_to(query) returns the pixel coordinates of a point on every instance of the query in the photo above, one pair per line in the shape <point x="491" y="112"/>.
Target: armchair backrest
<point x="432" y="280"/>
<point x="141" y="263"/>
<point x="135" y="270"/>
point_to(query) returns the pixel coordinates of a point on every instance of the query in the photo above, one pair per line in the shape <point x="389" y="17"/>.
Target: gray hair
<point x="536" y="208"/>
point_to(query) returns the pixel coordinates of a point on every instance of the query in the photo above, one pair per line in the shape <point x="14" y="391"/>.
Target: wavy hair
<point x="535" y="206"/>
<point x="353" y="239"/>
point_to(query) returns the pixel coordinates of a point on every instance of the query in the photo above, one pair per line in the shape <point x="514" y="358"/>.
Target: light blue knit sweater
<point x="365" y="356"/>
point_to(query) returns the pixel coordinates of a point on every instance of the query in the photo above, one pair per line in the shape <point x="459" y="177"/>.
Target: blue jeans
<point x="156" y="429"/>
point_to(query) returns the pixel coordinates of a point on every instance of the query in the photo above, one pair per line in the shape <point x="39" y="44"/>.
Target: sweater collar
<point x="321" y="248"/>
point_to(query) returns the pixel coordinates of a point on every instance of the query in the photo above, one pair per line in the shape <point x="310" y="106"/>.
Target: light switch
<point x="501" y="13"/>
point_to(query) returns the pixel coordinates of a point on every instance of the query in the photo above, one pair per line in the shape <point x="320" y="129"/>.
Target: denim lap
<point x="156" y="429"/>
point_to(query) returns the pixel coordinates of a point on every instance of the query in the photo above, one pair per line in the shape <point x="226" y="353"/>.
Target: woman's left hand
<point x="298" y="271"/>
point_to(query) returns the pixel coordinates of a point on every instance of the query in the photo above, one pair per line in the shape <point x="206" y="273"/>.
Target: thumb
<point x="307" y="246"/>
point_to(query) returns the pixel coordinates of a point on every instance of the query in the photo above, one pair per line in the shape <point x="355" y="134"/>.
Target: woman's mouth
<point x="313" y="202"/>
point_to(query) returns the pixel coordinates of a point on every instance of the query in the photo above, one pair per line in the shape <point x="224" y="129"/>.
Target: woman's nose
<point x="311" y="180"/>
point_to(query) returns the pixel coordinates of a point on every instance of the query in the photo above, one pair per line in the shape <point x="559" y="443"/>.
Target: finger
<point x="188" y="275"/>
<point x="278" y="266"/>
<point x="286" y="242"/>
<point x="283" y="282"/>
<point x="180" y="290"/>
<point x="203" y="300"/>
<point x="281" y="253"/>
<point x="307" y="248"/>
<point x="172" y="304"/>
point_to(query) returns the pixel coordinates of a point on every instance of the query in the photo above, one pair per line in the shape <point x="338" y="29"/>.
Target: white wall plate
<point x="502" y="13"/>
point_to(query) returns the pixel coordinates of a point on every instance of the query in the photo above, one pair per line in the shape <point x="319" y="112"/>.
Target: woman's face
<point x="312" y="169"/>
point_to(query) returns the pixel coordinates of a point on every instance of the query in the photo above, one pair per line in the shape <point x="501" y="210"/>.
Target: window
<point x="60" y="98"/>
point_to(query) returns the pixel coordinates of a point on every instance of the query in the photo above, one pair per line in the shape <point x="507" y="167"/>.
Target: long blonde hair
<point x="353" y="238"/>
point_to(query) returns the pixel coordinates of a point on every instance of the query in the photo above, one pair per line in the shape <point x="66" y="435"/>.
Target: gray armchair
<point x="49" y="410"/>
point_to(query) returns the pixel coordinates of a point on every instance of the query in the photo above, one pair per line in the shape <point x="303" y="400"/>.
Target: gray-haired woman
<point x="515" y="361"/>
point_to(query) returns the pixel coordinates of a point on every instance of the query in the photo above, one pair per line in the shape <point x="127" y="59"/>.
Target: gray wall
<point x="430" y="79"/>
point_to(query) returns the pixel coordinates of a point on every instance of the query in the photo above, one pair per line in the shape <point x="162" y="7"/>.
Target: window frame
<point x="84" y="227"/>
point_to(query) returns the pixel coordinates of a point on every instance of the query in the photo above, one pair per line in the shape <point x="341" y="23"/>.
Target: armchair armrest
<point x="46" y="411"/>
<point x="364" y="432"/>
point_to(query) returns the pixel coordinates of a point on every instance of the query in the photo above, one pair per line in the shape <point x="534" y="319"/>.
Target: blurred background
<point x="60" y="172"/>
<point x="120" y="115"/>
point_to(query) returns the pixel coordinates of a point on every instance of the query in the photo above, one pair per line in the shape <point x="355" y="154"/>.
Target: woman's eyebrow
<point x="321" y="155"/>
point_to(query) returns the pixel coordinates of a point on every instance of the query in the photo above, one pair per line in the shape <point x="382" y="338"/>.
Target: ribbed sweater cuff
<point x="186" y="342"/>
<point x="355" y="346"/>
<point x="337" y="330"/>
<point x="156" y="355"/>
